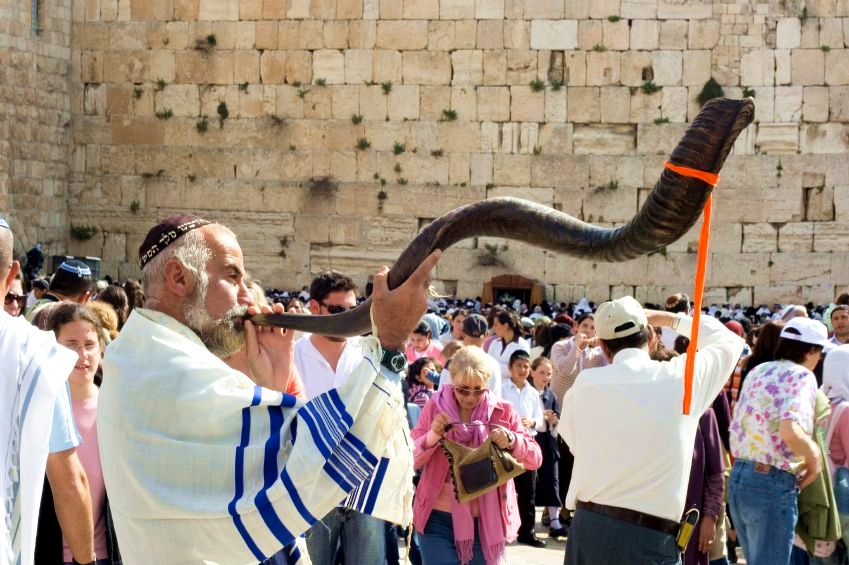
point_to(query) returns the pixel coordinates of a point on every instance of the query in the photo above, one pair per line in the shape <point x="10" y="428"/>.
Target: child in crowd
<point x="525" y="400"/>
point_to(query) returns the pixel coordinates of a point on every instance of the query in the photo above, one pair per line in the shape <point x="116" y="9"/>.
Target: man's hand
<point x="269" y="352"/>
<point x="396" y="312"/>
<point x="707" y="533"/>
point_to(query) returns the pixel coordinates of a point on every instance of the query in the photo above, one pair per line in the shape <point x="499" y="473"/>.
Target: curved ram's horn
<point x="670" y="210"/>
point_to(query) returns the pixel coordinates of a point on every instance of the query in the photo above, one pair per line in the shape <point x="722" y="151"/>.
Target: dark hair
<point x="69" y="284"/>
<point x="415" y="369"/>
<point x="135" y="294"/>
<point x="764" y="348"/>
<point x="796" y="351"/>
<point x="637" y="340"/>
<point x="681" y="344"/>
<point x="329" y="282"/>
<point x="679" y="302"/>
<point x="423" y="329"/>
<point x="509" y="318"/>
<point x="583" y="317"/>
<point x="116" y="297"/>
<point x="837" y="308"/>
<point x="518" y="355"/>
<point x="459" y="312"/>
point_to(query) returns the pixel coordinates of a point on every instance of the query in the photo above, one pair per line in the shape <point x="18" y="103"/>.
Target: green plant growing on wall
<point x="398" y="148"/>
<point x="490" y="256"/>
<point x="825" y="48"/>
<point x="243" y="87"/>
<point x="599" y="48"/>
<point x="711" y="90"/>
<point x="276" y="120"/>
<point x="356" y="119"/>
<point x="165" y="114"/>
<point x="662" y="251"/>
<point x="401" y="180"/>
<point x="223" y="114"/>
<point x="321" y="81"/>
<point x="649" y="87"/>
<point x="206" y="44"/>
<point x="202" y="125"/>
<point x="612" y="185"/>
<point x="302" y="91"/>
<point x="659" y="121"/>
<point x="363" y="144"/>
<point x="160" y="85"/>
<point x="436" y="153"/>
<point x="381" y="196"/>
<point x="135" y="207"/>
<point x="449" y="115"/>
<point x="386" y="86"/>
<point x="397" y="168"/>
<point x="137" y="92"/>
<point x="80" y="232"/>
<point x="191" y="177"/>
<point x="284" y="244"/>
<point x="537" y="149"/>
<point x="556" y="84"/>
<point x="748" y="92"/>
<point x="537" y="85"/>
<point x="613" y="19"/>
<point x="147" y="175"/>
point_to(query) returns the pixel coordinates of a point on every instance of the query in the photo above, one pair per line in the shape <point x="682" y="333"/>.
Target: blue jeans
<point x="436" y="544"/>
<point x="362" y="538"/>
<point x="596" y="539"/>
<point x="764" y="506"/>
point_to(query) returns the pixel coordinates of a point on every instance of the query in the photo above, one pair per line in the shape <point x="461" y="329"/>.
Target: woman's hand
<point x="501" y="437"/>
<point x="440" y="424"/>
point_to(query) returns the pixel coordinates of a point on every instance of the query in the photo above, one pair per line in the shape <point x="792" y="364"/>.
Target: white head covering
<point x="835" y="374"/>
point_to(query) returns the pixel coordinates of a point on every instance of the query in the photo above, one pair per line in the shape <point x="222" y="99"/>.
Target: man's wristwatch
<point x="393" y="360"/>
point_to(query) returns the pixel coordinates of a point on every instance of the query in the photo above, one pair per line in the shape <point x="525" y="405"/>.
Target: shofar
<point x="670" y="210"/>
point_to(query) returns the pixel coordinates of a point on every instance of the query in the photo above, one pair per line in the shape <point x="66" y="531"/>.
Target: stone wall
<point x="328" y="132"/>
<point x="34" y="120"/>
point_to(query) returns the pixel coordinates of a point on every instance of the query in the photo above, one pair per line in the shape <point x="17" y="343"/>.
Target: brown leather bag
<point x="478" y="470"/>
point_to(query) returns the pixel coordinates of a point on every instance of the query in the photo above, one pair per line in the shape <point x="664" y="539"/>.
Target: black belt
<point x="633" y="517"/>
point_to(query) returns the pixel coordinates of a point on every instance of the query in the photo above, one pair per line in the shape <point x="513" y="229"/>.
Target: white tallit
<point x="202" y="466"/>
<point x="34" y="370"/>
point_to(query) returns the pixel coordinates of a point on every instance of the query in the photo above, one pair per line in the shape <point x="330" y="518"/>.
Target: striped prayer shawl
<point x="34" y="371"/>
<point x="202" y="466"/>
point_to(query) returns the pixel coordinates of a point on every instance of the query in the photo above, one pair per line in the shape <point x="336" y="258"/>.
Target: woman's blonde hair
<point x="470" y="361"/>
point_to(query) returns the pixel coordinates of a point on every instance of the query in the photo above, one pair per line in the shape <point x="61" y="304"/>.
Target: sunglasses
<point x="469" y="391"/>
<point x="21" y="300"/>
<point x="336" y="308"/>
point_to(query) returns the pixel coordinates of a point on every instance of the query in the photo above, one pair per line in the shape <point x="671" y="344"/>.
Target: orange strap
<point x="699" y="283"/>
<point x="710" y="178"/>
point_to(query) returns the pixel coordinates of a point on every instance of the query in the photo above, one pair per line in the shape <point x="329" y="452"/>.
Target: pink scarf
<point x="490" y="516"/>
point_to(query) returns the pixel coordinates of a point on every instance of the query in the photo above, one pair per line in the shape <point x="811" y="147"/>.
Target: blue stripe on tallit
<point x="270" y="472"/>
<point x="292" y="490"/>
<point x="374" y="485"/>
<point x="294" y="554"/>
<point x="327" y="420"/>
<point x="350" y="463"/>
<point x="239" y="487"/>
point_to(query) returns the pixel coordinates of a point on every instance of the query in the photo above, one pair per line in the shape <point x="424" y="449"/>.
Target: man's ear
<point x="84" y="297"/>
<point x="10" y="276"/>
<point x="178" y="279"/>
<point x="314" y="307"/>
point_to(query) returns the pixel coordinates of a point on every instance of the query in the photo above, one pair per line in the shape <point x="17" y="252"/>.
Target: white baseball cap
<point x="620" y="318"/>
<point x="806" y="330"/>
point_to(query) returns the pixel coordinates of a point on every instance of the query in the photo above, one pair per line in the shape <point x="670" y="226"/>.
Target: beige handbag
<point x="478" y="470"/>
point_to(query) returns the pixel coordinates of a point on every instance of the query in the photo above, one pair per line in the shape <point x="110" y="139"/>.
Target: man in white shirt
<point x="325" y="363"/>
<point x="840" y="324"/>
<point x="632" y="443"/>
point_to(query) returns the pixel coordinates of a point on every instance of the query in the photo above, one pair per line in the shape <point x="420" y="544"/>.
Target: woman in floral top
<point x="771" y="441"/>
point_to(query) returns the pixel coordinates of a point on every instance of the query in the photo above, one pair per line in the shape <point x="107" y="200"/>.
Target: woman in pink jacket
<point x="450" y="532"/>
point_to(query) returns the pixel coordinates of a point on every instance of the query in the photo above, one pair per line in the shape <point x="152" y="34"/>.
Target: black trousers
<point x="526" y="495"/>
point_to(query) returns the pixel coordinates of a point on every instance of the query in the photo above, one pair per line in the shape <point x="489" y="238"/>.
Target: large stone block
<point x="457" y="9"/>
<point x="788" y="33"/>
<point x="615" y="104"/>
<point x="493" y="104"/>
<point x="704" y="34"/>
<point x="634" y="66"/>
<point x="824" y="138"/>
<point x="554" y="34"/>
<point x="668" y="67"/>
<point x="387" y="66"/>
<point x="329" y="64"/>
<point x="402" y="34"/>
<point x="359" y="66"/>
<point x="807" y="67"/>
<point x="815" y="103"/>
<point x="603" y="68"/>
<point x="645" y="34"/>
<point x="757" y="67"/>
<point x="583" y="105"/>
<point x="426" y="68"/>
<point x="778" y="138"/>
<point x="673" y="34"/>
<point x="800" y="268"/>
<point x="760" y="238"/>
<point x="526" y="105"/>
<point x="797" y="237"/>
<point x="467" y="67"/>
<point x="556" y="138"/>
<point x="511" y="170"/>
<point x="738" y="269"/>
<point x="336" y="34"/>
<point x="658" y="139"/>
<point x="590" y="35"/>
<point x="615" y="35"/>
<point x="837" y="67"/>
<point x="604" y="140"/>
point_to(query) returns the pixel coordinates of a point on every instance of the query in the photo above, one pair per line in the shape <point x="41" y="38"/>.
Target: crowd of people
<point x="182" y="432"/>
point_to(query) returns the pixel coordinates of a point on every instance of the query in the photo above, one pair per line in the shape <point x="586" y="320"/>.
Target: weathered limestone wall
<point x="34" y="120"/>
<point x="335" y="129"/>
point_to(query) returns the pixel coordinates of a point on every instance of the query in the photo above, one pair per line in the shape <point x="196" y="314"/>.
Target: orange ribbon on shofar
<point x="699" y="283"/>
